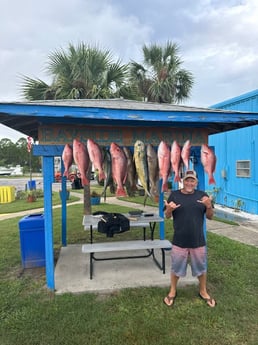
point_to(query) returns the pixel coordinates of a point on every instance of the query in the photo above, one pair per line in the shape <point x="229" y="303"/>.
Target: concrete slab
<point x="72" y="272"/>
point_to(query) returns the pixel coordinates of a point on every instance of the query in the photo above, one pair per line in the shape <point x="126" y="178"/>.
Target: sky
<point x="217" y="40"/>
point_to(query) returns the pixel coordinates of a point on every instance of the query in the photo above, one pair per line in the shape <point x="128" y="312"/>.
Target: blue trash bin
<point x="31" y="185"/>
<point x="32" y="241"/>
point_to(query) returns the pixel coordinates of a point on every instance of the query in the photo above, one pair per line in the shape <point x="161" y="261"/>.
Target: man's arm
<point x="209" y="212"/>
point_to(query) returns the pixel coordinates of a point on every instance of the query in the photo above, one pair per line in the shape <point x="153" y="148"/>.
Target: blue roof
<point x="26" y="117"/>
<point x="245" y="96"/>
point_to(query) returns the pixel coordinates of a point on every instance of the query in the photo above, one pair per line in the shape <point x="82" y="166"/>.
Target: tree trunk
<point x="86" y="198"/>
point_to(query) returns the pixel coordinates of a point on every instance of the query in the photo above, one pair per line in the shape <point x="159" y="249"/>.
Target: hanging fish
<point x="140" y="161"/>
<point x="185" y="154"/>
<point x="119" y="168"/>
<point x="175" y="160"/>
<point x="164" y="164"/>
<point x="96" y="157"/>
<point x="67" y="157"/>
<point x="153" y="170"/>
<point x="131" y="179"/>
<point x="107" y="167"/>
<point x="81" y="158"/>
<point x="208" y="160"/>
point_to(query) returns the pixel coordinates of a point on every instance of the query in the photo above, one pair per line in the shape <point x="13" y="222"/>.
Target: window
<point x="243" y="168"/>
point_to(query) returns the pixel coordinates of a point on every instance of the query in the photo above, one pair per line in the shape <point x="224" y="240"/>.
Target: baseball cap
<point x="190" y="174"/>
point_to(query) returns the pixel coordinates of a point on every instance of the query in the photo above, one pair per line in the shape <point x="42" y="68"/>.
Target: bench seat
<point x="125" y="245"/>
<point x="118" y="246"/>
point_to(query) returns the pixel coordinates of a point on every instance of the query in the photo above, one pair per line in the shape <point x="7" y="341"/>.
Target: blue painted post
<point x="161" y="212"/>
<point x="48" y="173"/>
<point x="201" y="179"/>
<point x="64" y="209"/>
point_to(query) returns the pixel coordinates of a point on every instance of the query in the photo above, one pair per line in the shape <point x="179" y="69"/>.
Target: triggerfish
<point x="153" y="170"/>
<point x="131" y="179"/>
<point x="107" y="167"/>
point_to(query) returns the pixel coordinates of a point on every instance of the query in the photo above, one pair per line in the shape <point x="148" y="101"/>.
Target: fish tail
<point x="85" y="181"/>
<point x="145" y="199"/>
<point x="120" y="192"/>
<point x="102" y="176"/>
<point x="212" y="180"/>
<point x="66" y="173"/>
<point x="104" y="194"/>
<point x="177" y="178"/>
<point x="165" y="187"/>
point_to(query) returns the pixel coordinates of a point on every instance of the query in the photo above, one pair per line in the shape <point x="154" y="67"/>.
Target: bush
<point x="22" y="195"/>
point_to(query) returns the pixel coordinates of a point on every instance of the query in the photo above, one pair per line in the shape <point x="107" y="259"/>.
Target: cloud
<point x="217" y="38"/>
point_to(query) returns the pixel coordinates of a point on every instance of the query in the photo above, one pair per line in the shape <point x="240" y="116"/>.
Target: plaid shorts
<point x="180" y="257"/>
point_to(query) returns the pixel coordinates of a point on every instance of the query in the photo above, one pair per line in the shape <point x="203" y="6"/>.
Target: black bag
<point x="113" y="223"/>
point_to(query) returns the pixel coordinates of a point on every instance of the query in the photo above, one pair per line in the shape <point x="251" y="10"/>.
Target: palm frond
<point x="36" y="89"/>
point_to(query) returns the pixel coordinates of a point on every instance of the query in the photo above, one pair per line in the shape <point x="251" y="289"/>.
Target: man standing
<point x="188" y="206"/>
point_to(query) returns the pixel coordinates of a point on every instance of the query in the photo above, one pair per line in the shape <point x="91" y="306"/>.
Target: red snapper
<point x="208" y="160"/>
<point x="96" y="157"/>
<point x="119" y="168"/>
<point x="175" y="160"/>
<point x="164" y="164"/>
<point x="81" y="158"/>
<point x="67" y="157"/>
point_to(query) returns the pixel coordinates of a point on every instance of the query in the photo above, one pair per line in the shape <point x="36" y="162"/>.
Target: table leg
<point x="152" y="229"/>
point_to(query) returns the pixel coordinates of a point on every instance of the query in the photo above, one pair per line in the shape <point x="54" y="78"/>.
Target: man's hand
<point x="170" y="207"/>
<point x="206" y="201"/>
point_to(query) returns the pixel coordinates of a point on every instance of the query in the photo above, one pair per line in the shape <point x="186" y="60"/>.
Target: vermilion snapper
<point x="185" y="154"/>
<point x="81" y="158"/>
<point x="96" y="158"/>
<point x="164" y="164"/>
<point x="67" y="157"/>
<point x="175" y="159"/>
<point x="208" y="160"/>
<point x="119" y="168"/>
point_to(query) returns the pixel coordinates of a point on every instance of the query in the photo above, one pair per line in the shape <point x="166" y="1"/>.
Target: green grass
<point x="23" y="205"/>
<point x="32" y="315"/>
<point x="140" y="200"/>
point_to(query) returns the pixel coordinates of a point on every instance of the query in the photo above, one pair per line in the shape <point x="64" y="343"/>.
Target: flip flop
<point x="208" y="301"/>
<point x="170" y="299"/>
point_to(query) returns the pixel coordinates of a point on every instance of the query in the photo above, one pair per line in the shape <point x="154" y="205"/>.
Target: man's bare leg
<point x="203" y="291"/>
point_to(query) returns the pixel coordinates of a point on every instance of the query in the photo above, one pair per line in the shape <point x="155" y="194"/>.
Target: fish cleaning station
<point x="113" y="123"/>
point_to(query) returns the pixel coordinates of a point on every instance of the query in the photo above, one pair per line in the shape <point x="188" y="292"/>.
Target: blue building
<point x="237" y="159"/>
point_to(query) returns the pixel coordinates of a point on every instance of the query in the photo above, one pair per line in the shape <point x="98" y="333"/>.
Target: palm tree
<point x="80" y="72"/>
<point x="37" y="89"/>
<point x="161" y="78"/>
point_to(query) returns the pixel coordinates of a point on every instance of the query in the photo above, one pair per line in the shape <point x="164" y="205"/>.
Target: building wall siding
<point x="230" y="147"/>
